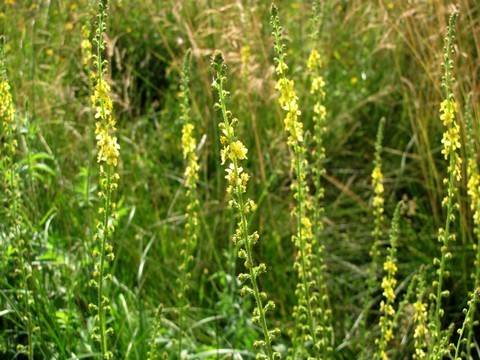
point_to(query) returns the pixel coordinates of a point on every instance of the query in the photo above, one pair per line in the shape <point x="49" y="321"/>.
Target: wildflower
<point x="378" y="189"/>
<point x="377" y="210"/>
<point x="448" y="108"/>
<point x="107" y="157"/>
<point x="6" y="104"/>
<point x="12" y="225"/>
<point x="451" y="140"/>
<point x="188" y="142"/>
<point x="189" y="241"/>
<point x="308" y="317"/>
<point x="233" y="174"/>
<point x="314" y="61"/>
<point x="420" y="318"/>
<point x="233" y="152"/>
<point x="389" y="283"/>
<point x="238" y="150"/>
<point x="451" y="143"/>
<point x="86" y="46"/>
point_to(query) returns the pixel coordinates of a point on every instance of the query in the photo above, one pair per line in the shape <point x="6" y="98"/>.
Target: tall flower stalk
<point x="387" y="319"/>
<point x="377" y="205"/>
<point x="307" y="312"/>
<point x="317" y="90"/>
<point x="377" y="210"/>
<point x="420" y="318"/>
<point x="86" y="50"/>
<point x="473" y="189"/>
<point x="233" y="152"/>
<point x="189" y="241"/>
<point x="466" y="325"/>
<point x="451" y="145"/>
<point x="12" y="213"/>
<point x="107" y="158"/>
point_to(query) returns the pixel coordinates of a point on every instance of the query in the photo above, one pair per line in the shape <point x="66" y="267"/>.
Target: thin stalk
<point x="233" y="151"/>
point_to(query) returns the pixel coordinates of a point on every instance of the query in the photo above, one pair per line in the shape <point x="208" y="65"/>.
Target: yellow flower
<point x="238" y="150"/>
<point x="317" y="84"/>
<point x="108" y="148"/>
<point x="188" y="142"/>
<point x="451" y="140"/>
<point x="314" y="61"/>
<point x="6" y="103"/>
<point x="246" y="54"/>
<point x="390" y="267"/>
<point x="448" y="108"/>
<point x="232" y="175"/>
<point x="287" y="94"/>
<point x="86" y="45"/>
<point x="377" y="174"/>
<point x="321" y="111"/>
<point x="378" y="189"/>
<point x="387" y="286"/>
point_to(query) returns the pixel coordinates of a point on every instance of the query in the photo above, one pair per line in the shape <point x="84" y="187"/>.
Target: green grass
<point x="379" y="60"/>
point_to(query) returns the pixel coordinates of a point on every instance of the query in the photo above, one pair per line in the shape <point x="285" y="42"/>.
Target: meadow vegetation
<point x="238" y="179"/>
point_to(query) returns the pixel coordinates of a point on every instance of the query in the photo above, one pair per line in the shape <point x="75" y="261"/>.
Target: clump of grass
<point x="233" y="152"/>
<point x="12" y="224"/>
<point x="188" y="243"/>
<point x="107" y="158"/>
<point x="389" y="283"/>
<point x="451" y="143"/>
<point x="308" y="312"/>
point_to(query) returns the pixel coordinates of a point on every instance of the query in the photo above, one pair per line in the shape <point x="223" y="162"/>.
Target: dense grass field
<point x="237" y="180"/>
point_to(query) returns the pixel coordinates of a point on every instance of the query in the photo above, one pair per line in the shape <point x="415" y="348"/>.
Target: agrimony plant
<point x="307" y="313"/>
<point x="388" y="285"/>
<point x="153" y="353"/>
<point x="86" y="50"/>
<point x="377" y="205"/>
<point x="107" y="158"/>
<point x="466" y="325"/>
<point x="232" y="153"/>
<point x="317" y="90"/>
<point x="420" y="318"/>
<point x="12" y="227"/>
<point x="451" y="144"/>
<point x="473" y="190"/>
<point x="377" y="210"/>
<point x="189" y="241"/>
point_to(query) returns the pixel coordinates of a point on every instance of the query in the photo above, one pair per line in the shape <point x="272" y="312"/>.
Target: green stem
<point x="22" y="246"/>
<point x="444" y="250"/>
<point x="305" y="282"/>
<point x="183" y="279"/>
<point x="244" y="225"/>
<point x="253" y="276"/>
<point x="105" y="233"/>
<point x="300" y="184"/>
